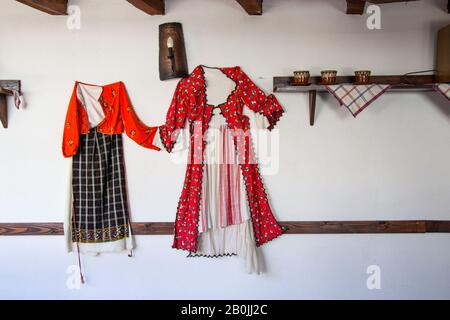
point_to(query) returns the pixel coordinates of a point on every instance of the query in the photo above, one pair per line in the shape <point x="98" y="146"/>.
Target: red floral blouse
<point x="119" y="116"/>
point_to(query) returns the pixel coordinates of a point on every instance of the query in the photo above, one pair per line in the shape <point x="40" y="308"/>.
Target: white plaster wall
<point x="392" y="162"/>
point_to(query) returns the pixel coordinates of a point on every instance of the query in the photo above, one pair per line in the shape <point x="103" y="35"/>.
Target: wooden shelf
<point x="9" y="85"/>
<point x="6" y="87"/>
<point x="416" y="83"/>
<point x="292" y="227"/>
<point x="5" y="92"/>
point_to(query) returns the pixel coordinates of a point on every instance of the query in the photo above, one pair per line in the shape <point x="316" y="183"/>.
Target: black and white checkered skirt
<point x="100" y="207"/>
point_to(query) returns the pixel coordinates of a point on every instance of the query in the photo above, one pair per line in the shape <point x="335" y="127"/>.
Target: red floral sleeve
<point x="134" y="128"/>
<point x="256" y="100"/>
<point x="175" y="119"/>
<point x="72" y="130"/>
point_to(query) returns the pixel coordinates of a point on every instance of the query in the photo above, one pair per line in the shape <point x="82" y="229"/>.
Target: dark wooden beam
<point x="53" y="7"/>
<point x="437" y="226"/>
<point x="151" y="7"/>
<point x="341" y="227"/>
<point x="448" y="6"/>
<point x="253" y="7"/>
<point x="388" y="1"/>
<point x="358" y="6"/>
<point x="355" y="6"/>
<point x="291" y="227"/>
<point x="31" y="229"/>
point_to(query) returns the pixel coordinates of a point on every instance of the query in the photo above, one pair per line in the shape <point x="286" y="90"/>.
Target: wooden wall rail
<point x="292" y="227"/>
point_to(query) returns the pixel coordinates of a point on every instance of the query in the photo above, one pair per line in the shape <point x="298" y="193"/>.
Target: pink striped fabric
<point x="229" y="182"/>
<point x="222" y="191"/>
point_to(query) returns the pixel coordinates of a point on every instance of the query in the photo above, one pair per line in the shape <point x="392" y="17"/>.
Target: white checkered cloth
<point x="443" y="88"/>
<point x="357" y="97"/>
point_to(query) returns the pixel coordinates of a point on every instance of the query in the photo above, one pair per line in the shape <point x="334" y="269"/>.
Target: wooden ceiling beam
<point x="253" y="7"/>
<point x="53" y="7"/>
<point x="355" y="6"/>
<point x="358" y="6"/>
<point x="151" y="7"/>
<point x="388" y="1"/>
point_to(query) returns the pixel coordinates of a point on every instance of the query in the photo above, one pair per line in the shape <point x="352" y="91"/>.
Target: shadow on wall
<point x="437" y="100"/>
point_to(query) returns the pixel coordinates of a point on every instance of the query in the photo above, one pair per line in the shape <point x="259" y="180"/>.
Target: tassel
<point x="79" y="264"/>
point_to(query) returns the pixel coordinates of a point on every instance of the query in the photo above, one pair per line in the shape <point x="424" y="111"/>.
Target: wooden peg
<point x="3" y="111"/>
<point x="312" y="106"/>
